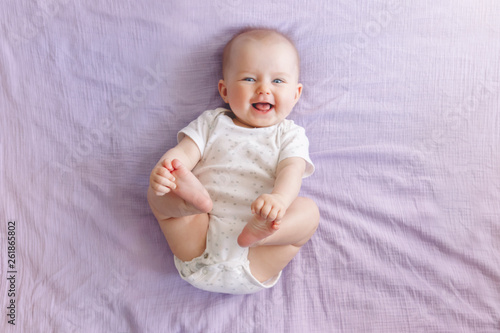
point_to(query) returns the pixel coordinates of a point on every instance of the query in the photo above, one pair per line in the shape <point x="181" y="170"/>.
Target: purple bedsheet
<point x="401" y="104"/>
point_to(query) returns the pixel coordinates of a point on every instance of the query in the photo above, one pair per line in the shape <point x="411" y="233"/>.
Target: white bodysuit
<point x="238" y="164"/>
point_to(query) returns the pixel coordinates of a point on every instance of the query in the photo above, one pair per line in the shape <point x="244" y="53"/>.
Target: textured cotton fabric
<point x="401" y="107"/>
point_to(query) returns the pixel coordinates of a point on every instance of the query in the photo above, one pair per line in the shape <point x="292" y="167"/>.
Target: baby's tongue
<point x="262" y="106"/>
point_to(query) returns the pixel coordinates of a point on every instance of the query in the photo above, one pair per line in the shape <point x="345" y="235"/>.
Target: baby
<point x="226" y="197"/>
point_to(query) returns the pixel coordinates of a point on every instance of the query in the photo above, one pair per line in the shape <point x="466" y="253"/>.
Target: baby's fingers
<point x="257" y="205"/>
<point x="162" y="182"/>
<point x="160" y="190"/>
<point x="161" y="171"/>
<point x="165" y="178"/>
<point x="280" y="215"/>
<point x="267" y="212"/>
<point x="276" y="214"/>
<point x="167" y="164"/>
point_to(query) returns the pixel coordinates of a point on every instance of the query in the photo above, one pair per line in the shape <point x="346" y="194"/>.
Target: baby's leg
<point x="186" y="236"/>
<point x="187" y="198"/>
<point x="182" y="213"/>
<point x="273" y="253"/>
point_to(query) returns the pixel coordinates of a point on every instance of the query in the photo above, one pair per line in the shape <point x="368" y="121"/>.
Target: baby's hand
<point x="270" y="207"/>
<point x="161" y="179"/>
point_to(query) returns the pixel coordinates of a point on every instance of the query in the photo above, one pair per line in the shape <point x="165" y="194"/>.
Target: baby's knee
<point x="310" y="206"/>
<point x="311" y="210"/>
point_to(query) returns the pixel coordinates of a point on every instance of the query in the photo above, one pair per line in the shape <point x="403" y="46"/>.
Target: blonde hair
<point x="258" y="34"/>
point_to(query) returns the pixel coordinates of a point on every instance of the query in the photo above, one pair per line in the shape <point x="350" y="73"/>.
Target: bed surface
<point x="401" y="106"/>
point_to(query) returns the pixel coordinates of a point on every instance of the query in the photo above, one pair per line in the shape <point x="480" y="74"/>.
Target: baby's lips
<point x="262" y="106"/>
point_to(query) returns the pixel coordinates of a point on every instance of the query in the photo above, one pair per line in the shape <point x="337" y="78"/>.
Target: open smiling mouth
<point x="263" y="107"/>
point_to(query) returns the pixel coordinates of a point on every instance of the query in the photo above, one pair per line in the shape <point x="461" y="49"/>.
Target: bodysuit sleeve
<point x="294" y="143"/>
<point x="199" y="129"/>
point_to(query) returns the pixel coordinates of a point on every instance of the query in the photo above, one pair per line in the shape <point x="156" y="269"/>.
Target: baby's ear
<point x="223" y="90"/>
<point x="298" y="92"/>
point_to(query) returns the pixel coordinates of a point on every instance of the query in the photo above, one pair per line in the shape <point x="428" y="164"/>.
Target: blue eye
<point x="249" y="79"/>
<point x="278" y="81"/>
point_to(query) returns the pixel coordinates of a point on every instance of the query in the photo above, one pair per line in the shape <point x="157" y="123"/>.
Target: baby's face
<point x="261" y="81"/>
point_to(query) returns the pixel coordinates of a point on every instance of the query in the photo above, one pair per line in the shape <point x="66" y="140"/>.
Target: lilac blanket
<point x="401" y="105"/>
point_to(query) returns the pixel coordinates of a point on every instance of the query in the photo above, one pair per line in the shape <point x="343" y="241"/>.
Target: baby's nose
<point x="263" y="90"/>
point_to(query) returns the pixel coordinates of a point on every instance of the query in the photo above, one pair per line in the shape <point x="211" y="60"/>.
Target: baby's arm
<point x="272" y="207"/>
<point x="161" y="181"/>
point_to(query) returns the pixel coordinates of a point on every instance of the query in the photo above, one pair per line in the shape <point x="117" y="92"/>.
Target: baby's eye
<point x="249" y="79"/>
<point x="278" y="81"/>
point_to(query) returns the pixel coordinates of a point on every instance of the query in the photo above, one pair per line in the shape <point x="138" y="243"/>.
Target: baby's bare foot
<point x="189" y="188"/>
<point x="255" y="231"/>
